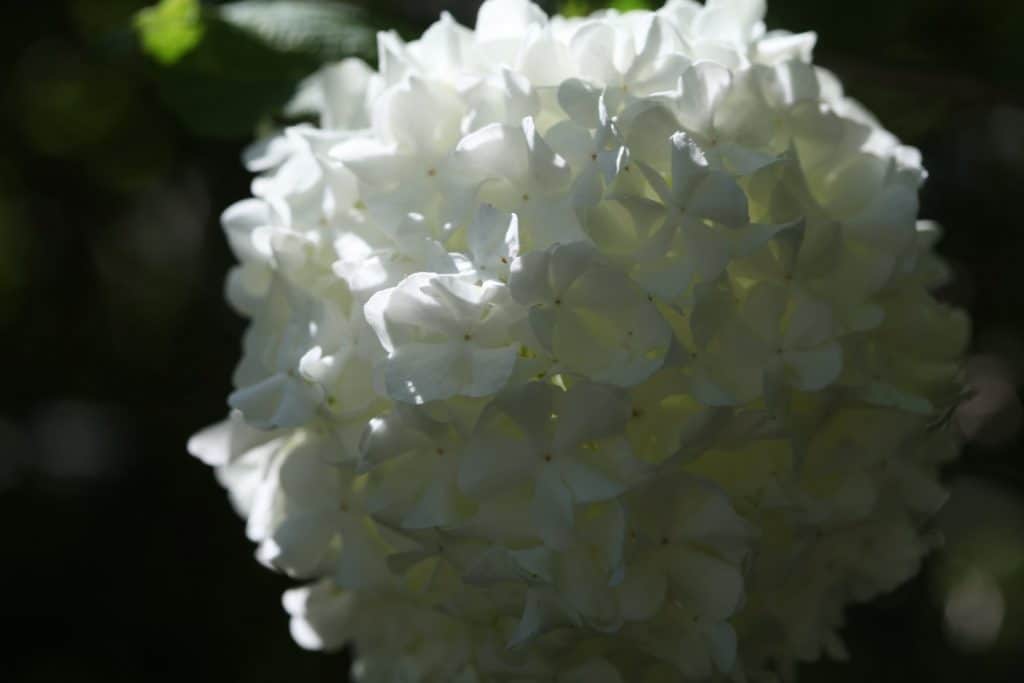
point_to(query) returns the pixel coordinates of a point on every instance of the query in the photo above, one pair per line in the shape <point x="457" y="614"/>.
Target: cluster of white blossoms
<point x="586" y="351"/>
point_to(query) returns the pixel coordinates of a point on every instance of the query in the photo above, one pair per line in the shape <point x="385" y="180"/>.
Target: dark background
<point x="121" y="559"/>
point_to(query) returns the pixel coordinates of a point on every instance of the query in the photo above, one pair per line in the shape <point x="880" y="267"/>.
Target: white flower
<point x="492" y="244"/>
<point x="592" y="349"/>
<point x="592" y="317"/>
<point x="444" y="337"/>
<point x="565" y="446"/>
<point x="680" y="243"/>
<point x="319" y="616"/>
<point x="413" y="457"/>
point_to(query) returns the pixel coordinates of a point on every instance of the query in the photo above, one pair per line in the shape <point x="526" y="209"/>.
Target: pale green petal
<point x="552" y="507"/>
<point x="815" y="369"/>
<point x="642" y="592"/>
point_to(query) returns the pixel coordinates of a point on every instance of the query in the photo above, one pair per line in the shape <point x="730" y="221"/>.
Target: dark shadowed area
<point x="123" y="560"/>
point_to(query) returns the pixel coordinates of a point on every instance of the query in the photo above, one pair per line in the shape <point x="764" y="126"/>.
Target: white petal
<point x="763" y="310"/>
<point x="298" y="546"/>
<point x="710" y="587"/>
<point x="590" y="411"/>
<point x="548" y="171"/>
<point x="320" y="616"/>
<point x="703" y="86"/>
<point x="227" y="441"/>
<point x="373" y="162"/>
<point x="724" y="646"/>
<point x="816" y="368"/>
<point x="809" y="324"/>
<point x="278" y="401"/>
<point x="719" y="198"/>
<point x="499" y="20"/>
<point x="392" y="435"/>
<point x="489" y="370"/>
<point x="890" y="220"/>
<point x="437" y="506"/>
<point x="689" y="167"/>
<point x="579" y="100"/>
<point x="493" y="241"/>
<point x="360" y="565"/>
<point x="776" y="48"/>
<point x="593" y="47"/>
<point x="495" y="151"/>
<point x="642" y="592"/>
<point x="417" y="373"/>
<point x="242" y="222"/>
<point x="587" y="483"/>
<point x="552" y="507"/>
<point x="488" y="466"/>
<point x="592" y="671"/>
<point x="540" y="615"/>
<point x="345" y="86"/>
<point x="730" y="20"/>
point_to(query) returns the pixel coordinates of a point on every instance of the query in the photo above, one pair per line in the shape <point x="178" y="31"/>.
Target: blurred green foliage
<point x="326" y="30"/>
<point x="225" y="68"/>
<point x="579" y="8"/>
<point x="15" y="242"/>
<point x="169" y="30"/>
<point x="627" y="5"/>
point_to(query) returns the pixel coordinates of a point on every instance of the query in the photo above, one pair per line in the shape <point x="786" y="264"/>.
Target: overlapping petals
<point x="586" y="350"/>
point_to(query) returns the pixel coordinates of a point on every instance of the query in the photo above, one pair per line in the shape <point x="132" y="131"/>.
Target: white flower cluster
<point x="586" y="350"/>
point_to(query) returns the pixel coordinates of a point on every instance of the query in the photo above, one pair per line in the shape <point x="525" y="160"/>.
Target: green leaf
<point x="328" y="30"/>
<point x="575" y="8"/>
<point x="581" y="8"/>
<point x="252" y="55"/>
<point x="230" y="82"/>
<point x="627" y="5"/>
<point x="170" y="29"/>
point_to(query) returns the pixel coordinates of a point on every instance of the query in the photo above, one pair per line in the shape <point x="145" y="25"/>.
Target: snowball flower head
<point x="586" y="350"/>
